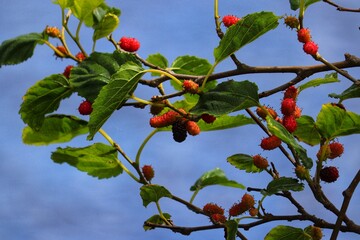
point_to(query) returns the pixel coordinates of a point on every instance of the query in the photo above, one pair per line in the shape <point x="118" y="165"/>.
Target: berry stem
<point x="141" y="100"/>
<point x="65" y="20"/>
<point x="216" y="15"/>
<point x="142" y="146"/>
<point x="162" y="215"/>
<point x="163" y="73"/>
<point x="118" y="148"/>
<point x="111" y="39"/>
<point x="207" y="76"/>
<point x="301" y="13"/>
<point x="194" y="195"/>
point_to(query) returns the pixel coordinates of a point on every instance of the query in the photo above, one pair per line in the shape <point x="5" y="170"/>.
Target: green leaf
<point x="158" y="60"/>
<point x="333" y="122"/>
<point x="98" y="160"/>
<point x="352" y="92"/>
<point x="278" y="129"/>
<point x="83" y="10"/>
<point x="191" y="65"/>
<point x="243" y="32"/>
<point x="100" y="12"/>
<point x="225" y="122"/>
<point x="64" y="3"/>
<point x="214" y="177"/>
<point x="42" y="98"/>
<point x="227" y="97"/>
<point x="231" y="229"/>
<point x="106" y="26"/>
<point x="295" y="4"/>
<point x="96" y="71"/>
<point x="156" y="219"/>
<point x="19" y="49"/>
<point x="287" y="232"/>
<point x="113" y="95"/>
<point x="307" y="131"/>
<point x="329" y="78"/>
<point x="283" y="184"/>
<point x="153" y="193"/>
<point x="55" y="129"/>
<point x="243" y="162"/>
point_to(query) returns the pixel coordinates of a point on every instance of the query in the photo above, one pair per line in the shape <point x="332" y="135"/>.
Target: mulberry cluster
<point x="215" y="212"/>
<point x="180" y="126"/>
<point x="289" y="109"/>
<point x="330" y="151"/>
<point x="304" y="37"/>
<point x="246" y="204"/>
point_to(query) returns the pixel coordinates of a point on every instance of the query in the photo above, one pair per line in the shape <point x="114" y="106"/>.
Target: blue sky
<point x="42" y="200"/>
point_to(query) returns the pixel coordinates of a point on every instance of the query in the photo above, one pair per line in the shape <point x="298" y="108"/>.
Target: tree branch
<point x="347" y="197"/>
<point x="339" y="8"/>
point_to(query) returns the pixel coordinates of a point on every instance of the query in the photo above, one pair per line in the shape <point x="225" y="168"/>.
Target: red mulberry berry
<point x="291" y="92"/>
<point x="248" y="200"/>
<point x="190" y="86"/>
<point x="212" y="208"/>
<point x="230" y="20"/>
<point x="53" y="32"/>
<point x="310" y="48"/>
<point x="192" y="128"/>
<point x="329" y="174"/>
<point x="148" y="172"/>
<point x="270" y="143"/>
<point x="62" y="52"/>
<point x="336" y="150"/>
<point x="164" y="120"/>
<point x="208" y="118"/>
<point x="288" y="106"/>
<point x="67" y="71"/>
<point x="297" y="112"/>
<point x="237" y="209"/>
<point x="304" y="35"/>
<point x="289" y="122"/>
<point x="260" y="162"/>
<point x="129" y="44"/>
<point x="253" y="212"/>
<point x="218" y="218"/>
<point x="80" y="56"/>
<point x="263" y="111"/>
<point x="85" y="108"/>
